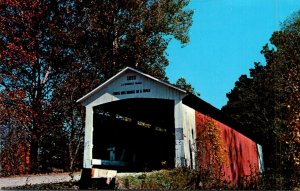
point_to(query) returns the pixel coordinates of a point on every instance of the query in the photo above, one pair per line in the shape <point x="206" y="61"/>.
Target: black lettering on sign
<point x="127" y="84"/>
<point x="131" y="92"/>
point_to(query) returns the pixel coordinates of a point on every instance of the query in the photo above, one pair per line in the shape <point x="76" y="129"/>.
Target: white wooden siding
<point x="189" y="126"/>
<point x="132" y="84"/>
<point x="157" y="90"/>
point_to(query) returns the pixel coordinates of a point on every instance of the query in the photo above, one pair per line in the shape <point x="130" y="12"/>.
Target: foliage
<point x="187" y="179"/>
<point x="53" y="52"/>
<point x="209" y="142"/>
<point x="210" y="153"/>
<point x="14" y="153"/>
<point x="181" y="83"/>
<point x="33" y="60"/>
<point x="268" y="103"/>
<point x="106" y="37"/>
<point x="175" y="179"/>
<point x="113" y="34"/>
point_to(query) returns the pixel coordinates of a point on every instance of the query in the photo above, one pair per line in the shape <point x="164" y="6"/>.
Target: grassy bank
<point x="174" y="179"/>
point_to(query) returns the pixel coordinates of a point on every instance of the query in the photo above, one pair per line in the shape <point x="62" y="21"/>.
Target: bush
<point x="174" y="179"/>
<point x="187" y="179"/>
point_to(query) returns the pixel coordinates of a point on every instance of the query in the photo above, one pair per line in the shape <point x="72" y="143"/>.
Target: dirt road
<point x="38" y="179"/>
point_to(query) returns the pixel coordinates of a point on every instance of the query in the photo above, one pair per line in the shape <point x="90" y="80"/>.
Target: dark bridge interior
<point x="134" y="134"/>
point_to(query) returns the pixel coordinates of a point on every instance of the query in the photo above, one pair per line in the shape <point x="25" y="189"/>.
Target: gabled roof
<point x="190" y="100"/>
<point x="82" y="99"/>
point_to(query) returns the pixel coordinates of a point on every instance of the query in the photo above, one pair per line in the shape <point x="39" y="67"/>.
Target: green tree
<point x="268" y="103"/>
<point x="183" y="84"/>
<point x="110" y="35"/>
<point x="107" y="36"/>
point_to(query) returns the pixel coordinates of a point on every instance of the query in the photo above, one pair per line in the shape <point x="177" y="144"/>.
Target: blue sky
<point x="225" y="40"/>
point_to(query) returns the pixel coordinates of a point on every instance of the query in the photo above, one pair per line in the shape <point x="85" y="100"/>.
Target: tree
<point x="70" y="117"/>
<point x="181" y="83"/>
<point x="33" y="61"/>
<point x="107" y="36"/>
<point x="53" y="52"/>
<point x="115" y="34"/>
<point x="268" y="103"/>
<point x="249" y="97"/>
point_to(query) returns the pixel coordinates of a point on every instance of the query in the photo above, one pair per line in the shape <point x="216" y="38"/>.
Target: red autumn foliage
<point x="28" y="72"/>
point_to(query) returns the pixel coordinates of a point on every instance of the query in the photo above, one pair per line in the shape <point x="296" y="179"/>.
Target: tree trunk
<point x="33" y="158"/>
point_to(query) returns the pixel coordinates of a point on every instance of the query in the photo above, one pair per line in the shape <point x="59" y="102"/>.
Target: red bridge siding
<point x="241" y="154"/>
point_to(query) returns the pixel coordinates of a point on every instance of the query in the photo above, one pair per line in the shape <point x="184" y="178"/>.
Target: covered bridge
<point x="135" y="122"/>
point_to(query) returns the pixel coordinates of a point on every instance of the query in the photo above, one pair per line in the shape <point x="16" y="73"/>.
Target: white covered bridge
<point x="137" y="121"/>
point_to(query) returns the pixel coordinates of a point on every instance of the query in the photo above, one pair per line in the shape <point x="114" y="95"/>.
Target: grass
<point x="175" y="179"/>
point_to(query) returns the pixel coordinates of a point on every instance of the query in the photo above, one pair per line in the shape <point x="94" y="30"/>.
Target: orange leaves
<point x="12" y="107"/>
<point x="12" y="3"/>
<point x="18" y="54"/>
<point x="16" y="95"/>
<point x="209" y="142"/>
<point x="23" y="3"/>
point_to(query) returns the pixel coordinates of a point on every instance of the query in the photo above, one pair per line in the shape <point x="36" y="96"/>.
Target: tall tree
<point x="115" y="34"/>
<point x="107" y="36"/>
<point x="268" y="103"/>
<point x="53" y="52"/>
<point x="33" y="59"/>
